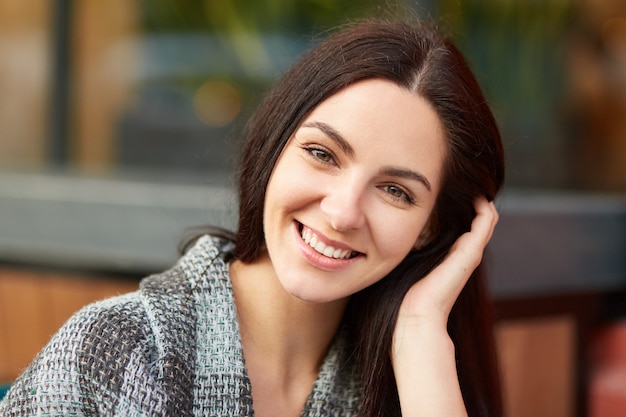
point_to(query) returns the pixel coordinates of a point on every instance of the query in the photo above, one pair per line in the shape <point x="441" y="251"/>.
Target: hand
<point x="422" y="354"/>
<point x="432" y="298"/>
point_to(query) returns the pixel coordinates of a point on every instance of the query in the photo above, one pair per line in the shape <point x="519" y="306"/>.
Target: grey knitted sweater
<point x="172" y="348"/>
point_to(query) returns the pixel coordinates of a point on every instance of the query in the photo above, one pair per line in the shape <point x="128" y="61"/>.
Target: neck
<point x="281" y="333"/>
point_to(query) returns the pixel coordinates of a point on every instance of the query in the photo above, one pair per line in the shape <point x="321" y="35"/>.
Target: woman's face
<point x="353" y="189"/>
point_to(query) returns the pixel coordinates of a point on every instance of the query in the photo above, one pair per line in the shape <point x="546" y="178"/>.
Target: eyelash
<point x="406" y="197"/>
<point x="316" y="152"/>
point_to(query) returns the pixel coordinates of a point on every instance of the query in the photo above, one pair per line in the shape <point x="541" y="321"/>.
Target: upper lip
<point x="328" y="242"/>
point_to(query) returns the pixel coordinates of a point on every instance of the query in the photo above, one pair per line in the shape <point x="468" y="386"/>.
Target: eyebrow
<point x="349" y="150"/>
<point x="333" y="134"/>
<point x="406" y="173"/>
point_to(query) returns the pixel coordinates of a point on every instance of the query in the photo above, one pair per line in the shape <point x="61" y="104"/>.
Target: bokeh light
<point x="217" y="103"/>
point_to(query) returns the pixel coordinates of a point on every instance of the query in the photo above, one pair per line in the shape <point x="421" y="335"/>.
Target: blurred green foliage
<point x="249" y="16"/>
<point x="517" y="49"/>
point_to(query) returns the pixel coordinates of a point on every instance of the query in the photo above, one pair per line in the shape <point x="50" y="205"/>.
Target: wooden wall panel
<point x="34" y="304"/>
<point x="538" y="366"/>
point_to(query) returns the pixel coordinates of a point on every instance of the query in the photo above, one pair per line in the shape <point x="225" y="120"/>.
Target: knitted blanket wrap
<point x="172" y="348"/>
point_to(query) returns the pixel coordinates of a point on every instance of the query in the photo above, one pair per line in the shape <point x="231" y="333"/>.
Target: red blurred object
<point x="607" y="397"/>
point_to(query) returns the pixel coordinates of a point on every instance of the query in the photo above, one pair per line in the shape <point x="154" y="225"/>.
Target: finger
<point x="473" y="242"/>
<point x="467" y="252"/>
<point x="486" y="219"/>
<point x="446" y="281"/>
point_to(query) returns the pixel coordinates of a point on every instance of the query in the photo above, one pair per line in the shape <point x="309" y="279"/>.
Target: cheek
<point x="285" y="175"/>
<point x="397" y="236"/>
<point x="277" y="188"/>
<point x="284" y="194"/>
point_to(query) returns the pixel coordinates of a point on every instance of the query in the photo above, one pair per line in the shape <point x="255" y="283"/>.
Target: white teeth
<point x="311" y="239"/>
<point x="329" y="251"/>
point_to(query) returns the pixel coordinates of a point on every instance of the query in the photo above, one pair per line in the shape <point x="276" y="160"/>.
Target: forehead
<point x="376" y="96"/>
<point x="384" y="123"/>
<point x="377" y="106"/>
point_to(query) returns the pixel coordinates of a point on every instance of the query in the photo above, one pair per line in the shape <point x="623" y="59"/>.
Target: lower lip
<point x="318" y="260"/>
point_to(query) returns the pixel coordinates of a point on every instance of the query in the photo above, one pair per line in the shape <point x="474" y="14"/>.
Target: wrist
<point x="414" y="335"/>
<point x="424" y="365"/>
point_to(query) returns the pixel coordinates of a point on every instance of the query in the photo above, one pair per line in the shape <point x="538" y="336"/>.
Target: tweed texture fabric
<point x="172" y="348"/>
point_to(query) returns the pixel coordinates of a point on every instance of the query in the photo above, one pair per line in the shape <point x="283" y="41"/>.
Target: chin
<point x="314" y="297"/>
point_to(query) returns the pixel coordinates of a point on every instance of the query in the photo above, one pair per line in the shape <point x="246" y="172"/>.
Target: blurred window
<point x="162" y="88"/>
<point x="149" y="88"/>
<point x="555" y="74"/>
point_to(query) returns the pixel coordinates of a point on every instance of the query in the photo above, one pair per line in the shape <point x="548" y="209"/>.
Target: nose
<point x="343" y="207"/>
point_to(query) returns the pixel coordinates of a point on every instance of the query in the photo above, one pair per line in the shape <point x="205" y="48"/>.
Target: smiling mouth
<point x="310" y="238"/>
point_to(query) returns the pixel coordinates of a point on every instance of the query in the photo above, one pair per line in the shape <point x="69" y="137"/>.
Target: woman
<point x="352" y="286"/>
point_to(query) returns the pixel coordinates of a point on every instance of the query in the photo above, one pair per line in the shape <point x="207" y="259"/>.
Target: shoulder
<point x="142" y="340"/>
<point x="160" y="315"/>
<point x="103" y="322"/>
<point x="54" y="383"/>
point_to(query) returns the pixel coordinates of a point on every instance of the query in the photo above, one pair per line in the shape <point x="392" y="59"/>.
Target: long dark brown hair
<point x="418" y="58"/>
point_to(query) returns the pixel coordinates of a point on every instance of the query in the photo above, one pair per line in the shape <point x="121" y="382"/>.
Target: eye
<point x="397" y="193"/>
<point x="320" y="155"/>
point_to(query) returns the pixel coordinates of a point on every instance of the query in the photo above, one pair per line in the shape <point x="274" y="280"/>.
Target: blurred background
<point x="120" y="123"/>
